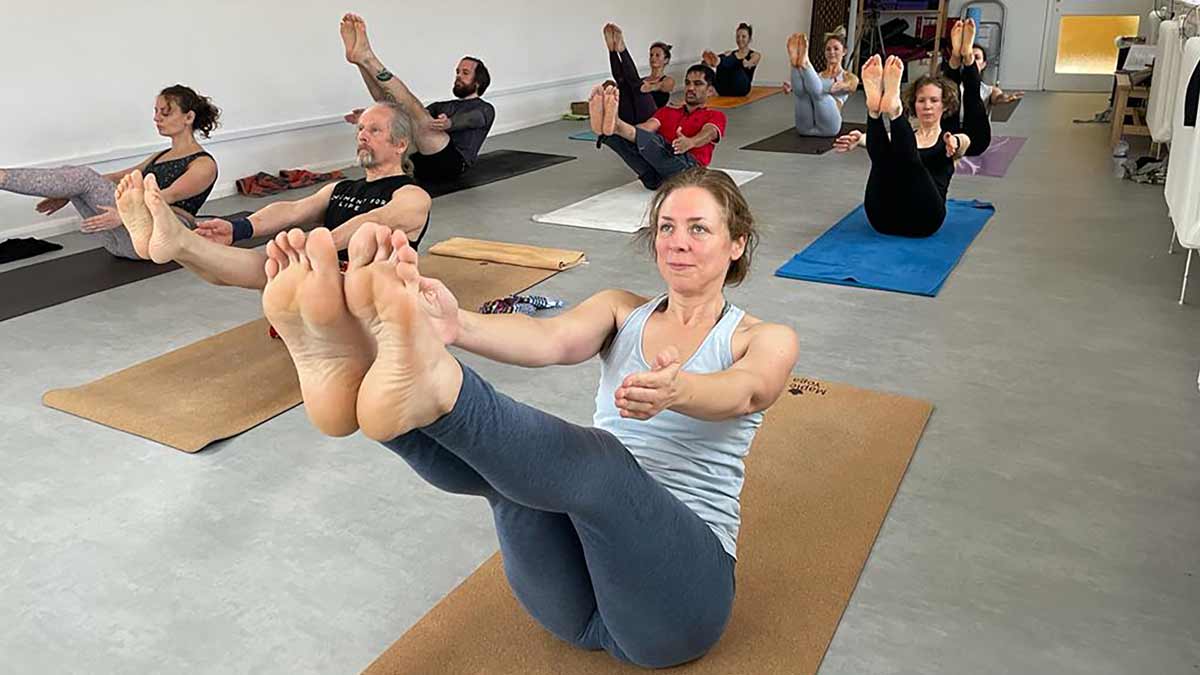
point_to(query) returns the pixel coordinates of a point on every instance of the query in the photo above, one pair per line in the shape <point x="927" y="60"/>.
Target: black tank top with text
<point x="352" y="198"/>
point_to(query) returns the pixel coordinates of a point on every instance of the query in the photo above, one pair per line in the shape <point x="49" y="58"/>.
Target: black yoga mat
<point x="1002" y="111"/>
<point x="493" y="166"/>
<point x="790" y="141"/>
<point x="28" y="289"/>
<point x="12" y="250"/>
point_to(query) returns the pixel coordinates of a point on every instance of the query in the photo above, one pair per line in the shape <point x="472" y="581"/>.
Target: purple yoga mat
<point x="994" y="162"/>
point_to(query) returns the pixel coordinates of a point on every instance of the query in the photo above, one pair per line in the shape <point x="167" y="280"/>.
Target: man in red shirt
<point x="675" y="138"/>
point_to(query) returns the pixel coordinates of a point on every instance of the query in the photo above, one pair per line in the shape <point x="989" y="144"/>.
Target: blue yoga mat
<point x="851" y="253"/>
<point x="588" y="135"/>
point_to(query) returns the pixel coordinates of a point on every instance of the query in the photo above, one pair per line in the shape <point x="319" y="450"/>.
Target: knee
<point x="651" y="181"/>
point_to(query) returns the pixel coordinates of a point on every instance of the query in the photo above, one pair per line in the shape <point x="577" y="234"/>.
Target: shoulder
<point x="714" y="115"/>
<point x="621" y="302"/>
<point x="760" y="335"/>
<point x="412" y="193"/>
<point x="203" y="161"/>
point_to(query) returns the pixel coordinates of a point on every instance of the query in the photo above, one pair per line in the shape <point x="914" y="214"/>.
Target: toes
<point x="277" y="256"/>
<point x="285" y="249"/>
<point x="296" y="239"/>
<point x="383" y="243"/>
<point x="322" y="254"/>
<point x="271" y="267"/>
<point x="402" y="250"/>
<point x="362" y="248"/>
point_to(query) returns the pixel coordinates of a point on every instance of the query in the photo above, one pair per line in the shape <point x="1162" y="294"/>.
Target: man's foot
<point x="362" y="46"/>
<point x="131" y="205"/>
<point x="968" y="43"/>
<point x="612" y="101"/>
<point x="349" y="36"/>
<point x="170" y="233"/>
<point x="306" y="305"/>
<point x="596" y="109"/>
<point x="413" y="380"/>
<point x="893" y="72"/>
<point x="872" y="82"/>
<point x="710" y="58"/>
<point x="956" y="40"/>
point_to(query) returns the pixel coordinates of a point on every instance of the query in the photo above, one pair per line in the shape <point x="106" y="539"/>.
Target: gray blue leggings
<point x="87" y="190"/>
<point x="817" y="113"/>
<point x="595" y="549"/>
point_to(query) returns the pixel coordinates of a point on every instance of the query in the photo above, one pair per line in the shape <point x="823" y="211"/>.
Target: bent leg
<point x="628" y="152"/>
<point x="659" y="154"/>
<point x="902" y="198"/>
<point x="805" y="115"/>
<point x="637" y="106"/>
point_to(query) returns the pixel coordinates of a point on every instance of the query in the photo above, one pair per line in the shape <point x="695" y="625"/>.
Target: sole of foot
<point x="872" y="82"/>
<point x="305" y="303"/>
<point x="131" y="206"/>
<point x="612" y="102"/>
<point x="893" y="73"/>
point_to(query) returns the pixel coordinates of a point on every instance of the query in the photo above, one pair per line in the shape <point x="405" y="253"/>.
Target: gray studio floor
<point x="1050" y="521"/>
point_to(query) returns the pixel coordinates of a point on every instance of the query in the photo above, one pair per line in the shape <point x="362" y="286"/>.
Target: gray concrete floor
<point x="1050" y="522"/>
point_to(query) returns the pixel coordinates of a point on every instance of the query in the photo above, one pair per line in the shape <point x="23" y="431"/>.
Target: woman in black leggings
<point x="911" y="170"/>
<point x="735" y="69"/>
<point x="640" y="97"/>
<point x="962" y="69"/>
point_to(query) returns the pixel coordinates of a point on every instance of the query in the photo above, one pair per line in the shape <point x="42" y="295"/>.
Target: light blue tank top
<point x="701" y="463"/>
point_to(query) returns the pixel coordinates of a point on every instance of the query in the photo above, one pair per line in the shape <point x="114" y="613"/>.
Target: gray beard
<point x="366" y="159"/>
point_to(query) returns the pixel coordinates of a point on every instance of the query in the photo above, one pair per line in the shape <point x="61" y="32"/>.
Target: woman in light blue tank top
<point x="618" y="537"/>
<point x="819" y="97"/>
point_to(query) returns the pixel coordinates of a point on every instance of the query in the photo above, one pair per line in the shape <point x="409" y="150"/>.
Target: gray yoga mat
<point x="790" y="141"/>
<point x="1001" y="112"/>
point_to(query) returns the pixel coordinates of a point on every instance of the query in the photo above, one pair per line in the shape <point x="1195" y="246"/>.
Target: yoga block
<point x="579" y="108"/>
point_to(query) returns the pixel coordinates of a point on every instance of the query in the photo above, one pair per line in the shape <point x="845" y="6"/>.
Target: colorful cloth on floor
<point x="262" y="184"/>
<point x="523" y="304"/>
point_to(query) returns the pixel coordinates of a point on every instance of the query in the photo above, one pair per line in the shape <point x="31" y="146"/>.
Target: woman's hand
<point x="644" y="395"/>
<point x="107" y="219"/>
<point x="442" y="308"/>
<point x="848" y="142"/>
<point x="48" y="206"/>
<point x="787" y="87"/>
<point x="956" y="144"/>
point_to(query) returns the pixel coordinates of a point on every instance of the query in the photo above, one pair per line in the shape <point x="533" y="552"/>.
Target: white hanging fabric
<point x="1182" y="190"/>
<point x="1149" y="28"/>
<point x="1165" y="83"/>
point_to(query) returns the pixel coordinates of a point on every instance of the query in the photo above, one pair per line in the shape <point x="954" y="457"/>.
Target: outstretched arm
<point x="272" y="218"/>
<point x="850" y="141"/>
<point x="751" y="384"/>
<point x="572" y="337"/>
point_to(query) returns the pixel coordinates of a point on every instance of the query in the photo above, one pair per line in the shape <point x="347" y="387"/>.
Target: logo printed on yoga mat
<point x="804" y="385"/>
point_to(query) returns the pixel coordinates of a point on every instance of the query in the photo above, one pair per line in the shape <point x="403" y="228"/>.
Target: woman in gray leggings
<point x="819" y="97"/>
<point x="619" y="536"/>
<point x="185" y="172"/>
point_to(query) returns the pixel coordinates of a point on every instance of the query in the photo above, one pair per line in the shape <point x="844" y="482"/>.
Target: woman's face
<point x="692" y="242"/>
<point x="929" y="104"/>
<point x="834" y="52"/>
<point x="742" y="37"/>
<point x="658" y="58"/>
<point x="169" y="119"/>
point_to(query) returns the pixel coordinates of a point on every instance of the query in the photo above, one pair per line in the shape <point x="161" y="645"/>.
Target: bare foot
<point x="349" y="36"/>
<point x="618" y="38"/>
<point x="362" y="46"/>
<point x="170" y="233"/>
<point x="968" y="43"/>
<point x="306" y="305"/>
<point x="956" y="40"/>
<point x="801" y="50"/>
<point x="710" y="58"/>
<point x="608" y="37"/>
<point x="893" y="72"/>
<point x="850" y="81"/>
<point x="596" y="109"/>
<point x="413" y="380"/>
<point x="131" y="205"/>
<point x="612" y="101"/>
<point x="872" y="82"/>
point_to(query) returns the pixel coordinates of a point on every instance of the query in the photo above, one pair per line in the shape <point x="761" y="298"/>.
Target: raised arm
<point x="571" y="337"/>
<point x="408" y="210"/>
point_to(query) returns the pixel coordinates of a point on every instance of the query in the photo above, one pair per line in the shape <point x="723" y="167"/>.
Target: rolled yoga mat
<point x="28" y="289"/>
<point x="184" y="399"/>
<point x="820" y="478"/>
<point x="994" y="162"/>
<point x="756" y="94"/>
<point x="851" y="253"/>
<point x="790" y="141"/>
<point x="621" y="209"/>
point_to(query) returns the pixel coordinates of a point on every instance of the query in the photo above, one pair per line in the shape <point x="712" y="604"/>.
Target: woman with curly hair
<point x="185" y="171"/>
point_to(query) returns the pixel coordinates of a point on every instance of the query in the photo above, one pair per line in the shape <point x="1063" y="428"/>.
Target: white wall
<point x="1023" y="39"/>
<point x="84" y="92"/>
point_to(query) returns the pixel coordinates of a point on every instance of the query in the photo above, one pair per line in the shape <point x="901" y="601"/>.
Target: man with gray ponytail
<point x="387" y="196"/>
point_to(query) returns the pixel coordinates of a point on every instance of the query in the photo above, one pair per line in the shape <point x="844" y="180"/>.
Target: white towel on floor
<point x="1183" y="168"/>
<point x="1165" y="85"/>
<point x="621" y="209"/>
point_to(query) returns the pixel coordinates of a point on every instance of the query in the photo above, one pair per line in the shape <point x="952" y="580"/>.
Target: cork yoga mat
<point x="229" y="383"/>
<point x="756" y="94"/>
<point x="820" y="478"/>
